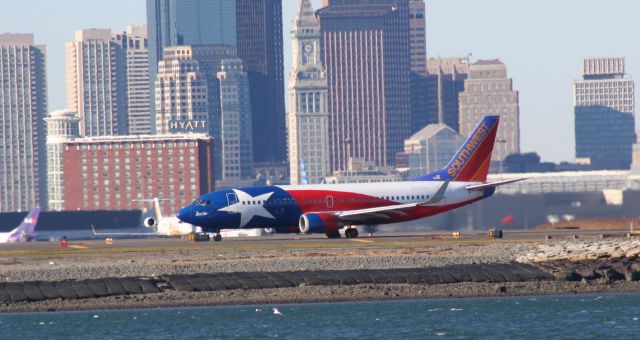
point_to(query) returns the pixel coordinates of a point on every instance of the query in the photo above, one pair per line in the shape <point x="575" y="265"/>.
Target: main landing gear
<point x="217" y="237"/>
<point x="351" y="232"/>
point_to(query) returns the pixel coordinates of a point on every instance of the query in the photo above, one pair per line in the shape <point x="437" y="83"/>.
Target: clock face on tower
<point x="307" y="52"/>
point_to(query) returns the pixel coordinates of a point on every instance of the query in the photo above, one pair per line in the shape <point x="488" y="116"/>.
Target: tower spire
<point x="305" y="16"/>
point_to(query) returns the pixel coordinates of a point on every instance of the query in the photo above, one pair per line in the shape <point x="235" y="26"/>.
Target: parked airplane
<point x="327" y="208"/>
<point x="25" y="231"/>
<point x="164" y="226"/>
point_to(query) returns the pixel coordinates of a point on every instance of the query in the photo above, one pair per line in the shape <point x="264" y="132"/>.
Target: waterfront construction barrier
<point x="82" y="289"/>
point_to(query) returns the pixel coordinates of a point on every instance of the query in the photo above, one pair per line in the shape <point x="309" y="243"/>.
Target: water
<point x="577" y="316"/>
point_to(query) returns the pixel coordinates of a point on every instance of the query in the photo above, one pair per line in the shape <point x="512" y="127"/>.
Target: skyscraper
<point x="488" y="91"/>
<point x="136" y="53"/>
<point x="96" y="83"/>
<point x="255" y="28"/>
<point x="418" y="36"/>
<point x="23" y="105"/>
<point x="181" y="94"/>
<point x="235" y="124"/>
<point x="308" y="117"/>
<point x="366" y="53"/>
<point x="419" y="80"/>
<point x="259" y="24"/>
<point x="446" y="78"/>
<point x="62" y="127"/>
<point x="604" y="114"/>
<point x="188" y="22"/>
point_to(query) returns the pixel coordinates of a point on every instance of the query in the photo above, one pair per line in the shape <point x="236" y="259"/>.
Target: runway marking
<point x="78" y="247"/>
<point x="363" y="241"/>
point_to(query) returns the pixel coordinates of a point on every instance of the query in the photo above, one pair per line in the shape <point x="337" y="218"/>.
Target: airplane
<point x="163" y="225"/>
<point x="25" y="231"/>
<point x="328" y="208"/>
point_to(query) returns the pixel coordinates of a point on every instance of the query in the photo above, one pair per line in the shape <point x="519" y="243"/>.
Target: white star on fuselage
<point x="249" y="210"/>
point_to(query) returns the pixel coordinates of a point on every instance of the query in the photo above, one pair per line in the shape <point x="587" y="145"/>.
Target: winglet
<point x="439" y="195"/>
<point x="93" y="229"/>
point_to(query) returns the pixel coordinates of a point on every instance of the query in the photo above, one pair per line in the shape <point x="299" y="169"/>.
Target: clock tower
<point x="308" y="118"/>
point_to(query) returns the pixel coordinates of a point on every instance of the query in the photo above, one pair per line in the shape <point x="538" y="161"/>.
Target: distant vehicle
<point x="327" y="208"/>
<point x="163" y="226"/>
<point x="25" y="231"/>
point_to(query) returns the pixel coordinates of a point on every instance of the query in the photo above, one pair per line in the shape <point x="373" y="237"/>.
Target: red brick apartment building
<point x="110" y="173"/>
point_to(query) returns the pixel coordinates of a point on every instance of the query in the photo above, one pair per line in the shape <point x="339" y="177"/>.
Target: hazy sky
<point x="542" y="42"/>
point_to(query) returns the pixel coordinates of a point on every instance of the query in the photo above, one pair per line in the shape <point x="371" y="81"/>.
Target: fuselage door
<point x="232" y="200"/>
<point x="329" y="201"/>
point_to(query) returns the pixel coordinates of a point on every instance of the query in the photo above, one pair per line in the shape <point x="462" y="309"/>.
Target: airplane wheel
<point x="217" y="238"/>
<point x="351" y="233"/>
<point x="354" y="233"/>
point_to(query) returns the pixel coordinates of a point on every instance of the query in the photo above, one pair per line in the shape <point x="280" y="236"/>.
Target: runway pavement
<point x="294" y="241"/>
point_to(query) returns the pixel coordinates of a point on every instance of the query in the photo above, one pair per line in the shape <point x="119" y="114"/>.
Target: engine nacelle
<point x="319" y="223"/>
<point x="149" y="222"/>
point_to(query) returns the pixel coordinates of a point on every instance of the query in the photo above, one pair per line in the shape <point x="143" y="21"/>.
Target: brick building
<point x="111" y="172"/>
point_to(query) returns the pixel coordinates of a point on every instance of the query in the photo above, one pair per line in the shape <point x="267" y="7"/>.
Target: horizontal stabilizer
<point x="93" y="229"/>
<point x="480" y="187"/>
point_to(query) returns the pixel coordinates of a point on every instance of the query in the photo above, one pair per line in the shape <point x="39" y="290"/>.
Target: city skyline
<point x="543" y="60"/>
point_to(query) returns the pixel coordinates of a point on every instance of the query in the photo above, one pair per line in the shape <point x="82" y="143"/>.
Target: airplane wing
<point x="480" y="187"/>
<point x="93" y="230"/>
<point x="391" y="210"/>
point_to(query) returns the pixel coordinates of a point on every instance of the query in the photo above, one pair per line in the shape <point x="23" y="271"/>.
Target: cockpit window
<point x="202" y="202"/>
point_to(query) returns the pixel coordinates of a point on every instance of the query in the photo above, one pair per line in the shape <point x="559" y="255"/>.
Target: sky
<point x="542" y="43"/>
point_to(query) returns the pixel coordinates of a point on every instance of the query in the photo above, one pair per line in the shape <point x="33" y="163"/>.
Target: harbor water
<point x="575" y="316"/>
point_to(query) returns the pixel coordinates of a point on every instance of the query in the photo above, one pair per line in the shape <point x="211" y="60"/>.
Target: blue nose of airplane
<point x="184" y="214"/>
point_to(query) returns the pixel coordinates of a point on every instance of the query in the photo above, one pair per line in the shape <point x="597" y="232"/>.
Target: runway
<point x="315" y="241"/>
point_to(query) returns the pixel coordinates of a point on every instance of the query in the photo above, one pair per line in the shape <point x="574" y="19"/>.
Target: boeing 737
<point x="328" y="208"/>
<point x="164" y="226"/>
<point x="25" y="231"/>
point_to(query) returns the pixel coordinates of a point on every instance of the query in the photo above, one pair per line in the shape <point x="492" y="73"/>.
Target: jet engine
<point x="319" y="223"/>
<point x="149" y="222"/>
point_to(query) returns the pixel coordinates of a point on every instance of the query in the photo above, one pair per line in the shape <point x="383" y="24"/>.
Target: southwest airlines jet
<point x="25" y="231"/>
<point x="327" y="208"/>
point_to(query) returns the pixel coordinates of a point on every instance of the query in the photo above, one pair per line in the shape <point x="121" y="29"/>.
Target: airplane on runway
<point x="164" y="226"/>
<point x="25" y="231"/>
<point x="327" y="208"/>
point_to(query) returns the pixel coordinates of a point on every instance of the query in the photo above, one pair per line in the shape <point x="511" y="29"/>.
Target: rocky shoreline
<point x="311" y="294"/>
<point x="575" y="266"/>
<point x="611" y="260"/>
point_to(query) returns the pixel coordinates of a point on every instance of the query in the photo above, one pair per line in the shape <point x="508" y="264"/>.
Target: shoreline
<point x="324" y="294"/>
<point x="193" y="277"/>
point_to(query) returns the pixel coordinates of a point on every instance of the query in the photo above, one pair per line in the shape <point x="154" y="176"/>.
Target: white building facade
<point x="96" y="83"/>
<point x="136" y="53"/>
<point x="235" y="124"/>
<point x="62" y="127"/>
<point x="488" y="91"/>
<point x="23" y="105"/>
<point x="308" y="119"/>
<point x="431" y="148"/>
<point x="181" y="94"/>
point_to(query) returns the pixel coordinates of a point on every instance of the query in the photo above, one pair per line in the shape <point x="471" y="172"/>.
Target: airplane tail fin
<point x="156" y="207"/>
<point x="471" y="162"/>
<point x="27" y="228"/>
